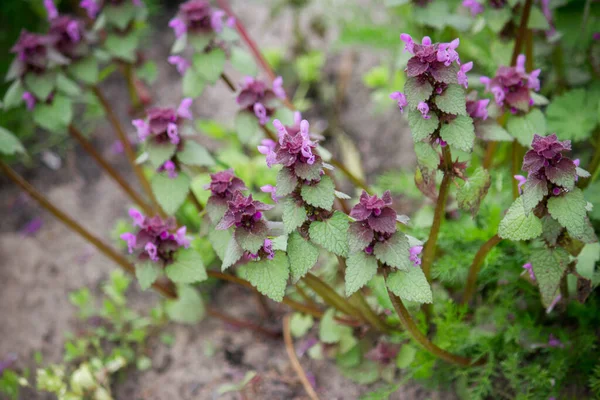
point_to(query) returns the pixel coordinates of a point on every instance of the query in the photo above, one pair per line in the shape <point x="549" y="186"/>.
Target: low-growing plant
<point x="489" y="289"/>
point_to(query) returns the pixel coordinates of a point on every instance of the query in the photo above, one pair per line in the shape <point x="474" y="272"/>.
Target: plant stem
<point x="131" y="89"/>
<point x="521" y="34"/>
<point x="129" y="152"/>
<point x="241" y="323"/>
<point x="409" y="324"/>
<point x="515" y="167"/>
<point x="228" y="82"/>
<point x="166" y="289"/>
<point x="87" y="146"/>
<point x="291" y="352"/>
<point x="438" y="216"/>
<point x="330" y="296"/>
<point x="476" y="265"/>
<point x="361" y="304"/>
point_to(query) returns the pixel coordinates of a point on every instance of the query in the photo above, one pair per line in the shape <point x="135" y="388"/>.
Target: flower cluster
<point x="156" y="239"/>
<point x="33" y="53"/>
<point x="436" y="64"/>
<point x="162" y="124"/>
<point x="68" y="36"/>
<point x="258" y="98"/>
<point x="245" y="214"/>
<point x="93" y="7"/>
<point x="223" y="185"/>
<point x="375" y="219"/>
<point x="512" y="85"/>
<point x="477" y="7"/>
<point x="477" y="108"/>
<point x="546" y="164"/>
<point x="198" y="17"/>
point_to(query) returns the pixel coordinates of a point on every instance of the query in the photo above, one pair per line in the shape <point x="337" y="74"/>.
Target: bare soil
<point x="37" y="272"/>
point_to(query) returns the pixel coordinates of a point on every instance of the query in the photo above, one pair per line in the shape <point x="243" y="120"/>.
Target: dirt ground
<point x="38" y="271"/>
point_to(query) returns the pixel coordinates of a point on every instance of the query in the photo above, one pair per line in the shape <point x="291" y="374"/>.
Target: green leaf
<point x="243" y="61"/>
<point x="549" y="266"/>
<point x="360" y="268"/>
<point x="209" y="65"/>
<point x="188" y="308"/>
<point x="420" y="127"/>
<point x="122" y="47"/>
<point x="41" y="85"/>
<point x="331" y="331"/>
<point x="268" y="276"/>
<point x="199" y="41"/>
<point x="294" y="215"/>
<point x="85" y="70"/>
<point x="233" y="252"/>
<point x="537" y="20"/>
<point x="452" y="100"/>
<point x="300" y="324"/>
<point x="147" y="273"/>
<point x="489" y="130"/>
<point x="159" y="153"/>
<point x="394" y="252"/>
<point x="13" y="96"/>
<point x="246" y="127"/>
<point x="187" y="267"/>
<point x="170" y="192"/>
<point x="534" y="191"/>
<point x="67" y="86"/>
<point x="9" y="144"/>
<point x="195" y="154"/>
<point x="359" y="236"/>
<point x="321" y="194"/>
<point x="459" y="133"/>
<point x="147" y="72"/>
<point x="472" y="191"/>
<point x="524" y="127"/>
<point x="410" y="285"/>
<point x="569" y="210"/>
<point x="120" y="15"/>
<point x="516" y="225"/>
<point x="551" y="230"/>
<point x="364" y="374"/>
<point x="180" y="44"/>
<point x="55" y="116"/>
<point x="192" y="84"/>
<point x="406" y="356"/>
<point x="252" y="240"/>
<point x="286" y="182"/>
<point x="303" y="255"/>
<point x="332" y="234"/>
<point x="574" y="105"/>
<point x="308" y="171"/>
<point x="417" y="91"/>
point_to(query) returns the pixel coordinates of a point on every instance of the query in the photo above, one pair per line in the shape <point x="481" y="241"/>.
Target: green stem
<point x="440" y="210"/>
<point x="365" y="309"/>
<point x="413" y="330"/>
<point x="594" y="165"/>
<point x="476" y="265"/>
<point x="515" y="167"/>
<point x="330" y="296"/>
<point x="522" y="33"/>
<point x="131" y="89"/>
<point x="165" y="288"/>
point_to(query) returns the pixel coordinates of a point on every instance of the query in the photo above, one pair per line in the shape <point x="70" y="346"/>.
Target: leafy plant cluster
<point x="489" y="289"/>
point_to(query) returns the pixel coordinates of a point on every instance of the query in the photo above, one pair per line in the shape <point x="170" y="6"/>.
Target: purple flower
<point x="401" y="99"/>
<point x="414" y="255"/>
<point x="521" y="179"/>
<point x="29" y="100"/>
<point x="511" y="86"/>
<point x="178" y="27"/>
<point x="50" y="9"/>
<point x="529" y="268"/>
<point x="424" y="110"/>
<point x="170" y="167"/>
<point x="257" y="98"/>
<point x="477" y="109"/>
<point x="231" y="22"/>
<point x="267" y="148"/>
<point x="462" y="74"/>
<point x="243" y="212"/>
<point x="216" y="20"/>
<point x="268" y="249"/>
<point x="67" y="34"/>
<point x="377" y="212"/>
<point x="596" y="36"/>
<point x="294" y="146"/>
<point x="409" y="44"/>
<point x="155" y="239"/>
<point x="91" y="7"/>
<point x="270" y="189"/>
<point x="554" y="342"/>
<point x="180" y="63"/>
<point x="545" y="162"/>
<point x="184" y="108"/>
<point x="224" y="184"/>
<point x="278" y="87"/>
<point x="173" y="133"/>
<point x="31" y="50"/>
<point x="447" y="52"/>
<point x="384" y="353"/>
<point x="143" y="130"/>
<point x="475" y="7"/>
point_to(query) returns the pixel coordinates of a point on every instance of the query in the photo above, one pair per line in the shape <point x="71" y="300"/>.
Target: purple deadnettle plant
<point x="198" y="17"/>
<point x="33" y="51"/>
<point x="156" y="239"/>
<point x="375" y="219"/>
<point x="93" y="7"/>
<point x="162" y="124"/>
<point x="69" y="37"/>
<point x="257" y="98"/>
<point x="222" y="187"/>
